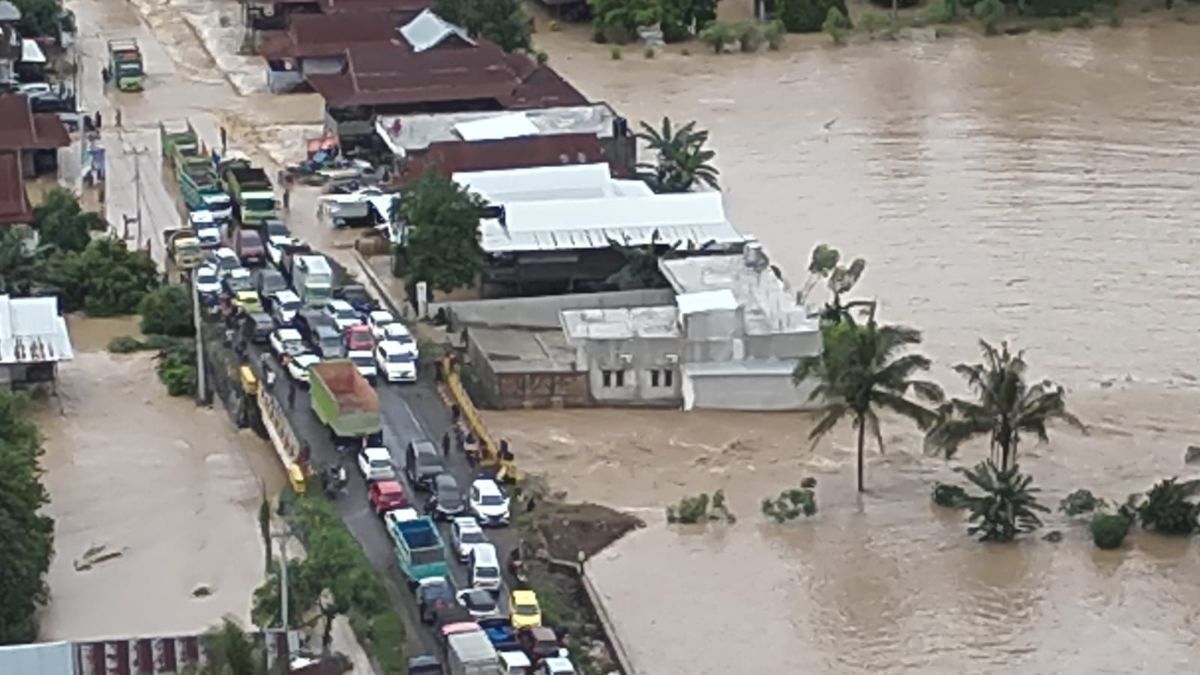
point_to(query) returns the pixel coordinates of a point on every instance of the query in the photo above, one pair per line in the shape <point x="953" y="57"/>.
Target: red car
<point x="359" y="339"/>
<point x="386" y="495"/>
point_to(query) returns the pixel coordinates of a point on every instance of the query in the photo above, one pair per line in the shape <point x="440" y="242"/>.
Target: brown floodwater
<point x="1037" y="188"/>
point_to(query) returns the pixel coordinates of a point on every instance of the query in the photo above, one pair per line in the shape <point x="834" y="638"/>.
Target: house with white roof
<point x="33" y="340"/>
<point x="552" y="228"/>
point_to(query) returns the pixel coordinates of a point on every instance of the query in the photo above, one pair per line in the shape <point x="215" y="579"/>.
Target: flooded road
<point x="170" y="488"/>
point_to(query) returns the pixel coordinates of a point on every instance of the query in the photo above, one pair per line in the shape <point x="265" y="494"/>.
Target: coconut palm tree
<point x="682" y="159"/>
<point x="1006" y="406"/>
<point x="861" y="370"/>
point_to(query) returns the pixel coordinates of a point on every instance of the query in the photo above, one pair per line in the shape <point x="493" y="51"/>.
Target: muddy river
<point x="1038" y="188"/>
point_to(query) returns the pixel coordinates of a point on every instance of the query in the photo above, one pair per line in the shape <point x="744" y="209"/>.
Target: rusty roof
<point x="448" y="157"/>
<point x="362" y="6"/>
<point x="320" y="35"/>
<point x="392" y="74"/>
<point x="21" y="129"/>
<point x="14" y="202"/>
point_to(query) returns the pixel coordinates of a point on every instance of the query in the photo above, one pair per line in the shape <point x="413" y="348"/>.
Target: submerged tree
<point x="681" y="157"/>
<point x="864" y="369"/>
<point x="825" y="265"/>
<point x="501" y="21"/>
<point x="1005" y="407"/>
<point x="1008" y="506"/>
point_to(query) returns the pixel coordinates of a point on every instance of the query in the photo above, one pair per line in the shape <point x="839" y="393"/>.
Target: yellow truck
<point x="184" y="248"/>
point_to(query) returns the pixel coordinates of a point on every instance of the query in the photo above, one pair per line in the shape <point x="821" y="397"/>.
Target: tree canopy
<point x="681" y="157"/>
<point x="501" y="21"/>
<point x="167" y="310"/>
<point x="442" y="246"/>
<point x="19" y="267"/>
<point x="28" y="535"/>
<point x="62" y="224"/>
<point x="39" y="17"/>
<point x="106" y="279"/>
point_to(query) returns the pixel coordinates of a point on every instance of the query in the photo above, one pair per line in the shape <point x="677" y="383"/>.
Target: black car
<point x="422" y="463"/>
<point x="358" y="298"/>
<point x="434" y="595"/>
<point x="274" y="227"/>
<point x="424" y="665"/>
<point x="268" y="282"/>
<point x="258" y="326"/>
<point x="308" y="319"/>
<point x="446" y="501"/>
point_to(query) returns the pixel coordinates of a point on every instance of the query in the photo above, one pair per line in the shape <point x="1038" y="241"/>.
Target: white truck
<point x="471" y="654"/>
<point x="313" y="279"/>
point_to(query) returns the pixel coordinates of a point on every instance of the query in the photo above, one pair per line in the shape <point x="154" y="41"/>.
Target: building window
<point x="606" y="376"/>
<point x="653" y="377"/>
<point x="661" y="378"/>
<point x="620" y="378"/>
<point x="668" y="377"/>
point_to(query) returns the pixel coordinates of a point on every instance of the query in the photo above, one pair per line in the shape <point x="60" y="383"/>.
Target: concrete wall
<point x="542" y="312"/>
<point x="716" y="325"/>
<point x="783" y="346"/>
<point x="324" y="65"/>
<point x="745" y="391"/>
<point x="504" y="390"/>
<point x="646" y="355"/>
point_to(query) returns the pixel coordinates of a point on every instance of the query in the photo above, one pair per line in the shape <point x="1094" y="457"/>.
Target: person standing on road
<point x="446" y="444"/>
<point x="287" y="198"/>
<point x="270" y="380"/>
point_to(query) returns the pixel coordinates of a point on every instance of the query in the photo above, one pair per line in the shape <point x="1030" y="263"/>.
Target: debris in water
<point x="94" y="555"/>
<point x="202" y="591"/>
<point x="1054" y="536"/>
<point x="1192" y="454"/>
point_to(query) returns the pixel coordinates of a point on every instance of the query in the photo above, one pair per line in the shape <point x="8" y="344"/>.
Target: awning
<point x="31" y="52"/>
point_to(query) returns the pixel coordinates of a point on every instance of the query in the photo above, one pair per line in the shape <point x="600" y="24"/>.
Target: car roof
<point x="388" y="486"/>
<point x="397" y="328"/>
<point x="226" y="252"/>
<point x="244" y="295"/>
<point x="524" y="596"/>
<point x="445" y="479"/>
<point x="359" y="328"/>
<point x="487" y="486"/>
<point x="288" y="334"/>
<point x="380" y="314"/>
<point x="515" y="659"/>
<point x="391" y="346"/>
<point x="286" y="294"/>
<point x="206" y="269"/>
<point x="239" y="272"/>
<point x="377" y="453"/>
<point x="559" y="664"/>
<point x="467" y="523"/>
<point x="340" y="304"/>
<point x="485" y="554"/>
<point x="306" y="357"/>
<point x="424" y="446"/>
<point x="402" y="515"/>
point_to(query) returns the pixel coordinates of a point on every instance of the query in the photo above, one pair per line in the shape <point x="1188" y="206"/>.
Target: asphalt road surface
<point x="409" y="412"/>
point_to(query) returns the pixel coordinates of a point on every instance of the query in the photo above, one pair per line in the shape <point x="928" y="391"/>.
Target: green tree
<point x="61" y="223"/>
<point x="233" y="651"/>
<point x="863" y="369"/>
<point x="1008" y="506"/>
<point x="808" y="16"/>
<point x="28" y="535"/>
<point x="167" y="310"/>
<point x="106" y="279"/>
<point x="681" y="157"/>
<point x="19" y="267"/>
<point x="443" y="232"/>
<point x="1005" y="407"/>
<point x="617" y="20"/>
<point x="39" y="17"/>
<point x="640" y="269"/>
<point x="501" y="21"/>
<point x="836" y="25"/>
<point x="989" y="13"/>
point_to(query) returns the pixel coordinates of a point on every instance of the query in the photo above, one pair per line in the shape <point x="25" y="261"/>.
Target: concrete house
<point x="33" y="340"/>
<point x="10" y="41"/>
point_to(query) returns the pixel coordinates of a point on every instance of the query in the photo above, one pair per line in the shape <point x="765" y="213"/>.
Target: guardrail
<point x="284" y="440"/>
<point x="614" y="640"/>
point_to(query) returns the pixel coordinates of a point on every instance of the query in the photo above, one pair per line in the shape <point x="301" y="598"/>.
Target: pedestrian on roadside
<point x="99" y="121"/>
<point x="446" y="444"/>
<point x="223" y="146"/>
<point x="118" y="119"/>
<point x="287" y="199"/>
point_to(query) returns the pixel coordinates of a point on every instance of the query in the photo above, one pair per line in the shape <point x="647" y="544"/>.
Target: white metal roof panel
<point x="539" y="183"/>
<point x="47" y="658"/>
<point x="722" y="300"/>
<point x="513" y="125"/>
<point x="692" y="219"/>
<point x="31" y="52"/>
<point x="427" y="30"/>
<point x="31" y="330"/>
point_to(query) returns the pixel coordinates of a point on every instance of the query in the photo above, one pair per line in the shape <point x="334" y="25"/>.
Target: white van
<point x="484" y="567"/>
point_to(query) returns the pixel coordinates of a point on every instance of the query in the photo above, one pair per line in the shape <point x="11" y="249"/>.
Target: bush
<point x="615" y="53"/>
<point x="177" y="366"/>
<point x="1109" y="530"/>
<point x="1008" y="506"/>
<point x="542" y="57"/>
<point x="1167" y="508"/>
<point x="750" y="35"/>
<point x="167" y="310"/>
<point x="1083" y="21"/>
<point x="387" y="642"/>
<point x="989" y="13"/>
<point x="871" y="22"/>
<point x="774" y="34"/>
<point x="791" y="504"/>
<point x="810" y="16"/>
<point x="700" y="508"/>
<point x="718" y="34"/>
<point x="1079" y="502"/>
<point x="836" y="25"/>
<point x="125" y="344"/>
<point x="940" y="11"/>
<point x="648" y="52"/>
<point x="1062" y="8"/>
<point x="1054" y="25"/>
<point x="949" y="496"/>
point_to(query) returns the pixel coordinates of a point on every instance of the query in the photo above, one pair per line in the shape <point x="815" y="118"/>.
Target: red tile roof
<point x="447" y="157"/>
<point x="361" y="6"/>
<point x="14" y="202"/>
<point x="320" y="35"/>
<point x="391" y="74"/>
<point x="21" y="129"/>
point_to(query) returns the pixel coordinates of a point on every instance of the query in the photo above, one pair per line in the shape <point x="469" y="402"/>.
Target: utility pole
<point x="136" y="153"/>
<point x="201" y="385"/>
<point x="283" y="591"/>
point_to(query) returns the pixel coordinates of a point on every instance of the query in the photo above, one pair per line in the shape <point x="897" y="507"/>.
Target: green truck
<point x="420" y="552"/>
<point x="343" y="400"/>
<point x="125" y="64"/>
<point x="197" y="177"/>
<point x="250" y="188"/>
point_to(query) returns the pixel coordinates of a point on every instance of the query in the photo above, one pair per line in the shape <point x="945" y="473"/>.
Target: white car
<point x="284" y="305"/>
<point x="298" y="365"/>
<point x="205" y="227"/>
<point x="286" y="341"/>
<point x="489" y="504"/>
<point x="342" y="313"/>
<point x="207" y="281"/>
<point x="395" y="362"/>
<point x="227" y="260"/>
<point x="480" y="603"/>
<point x="483" y="568"/>
<point x="466" y="535"/>
<point x="398" y="333"/>
<point x="555" y="665"/>
<point x="376" y="464"/>
<point x="364" y="361"/>
<point x="275" y="245"/>
<point x="378" y="320"/>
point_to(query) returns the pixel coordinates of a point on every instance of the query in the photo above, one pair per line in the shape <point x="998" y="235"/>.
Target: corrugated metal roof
<point x="407" y="133"/>
<point x="32" y="331"/>
<point x="448" y="158"/>
<point x="45" y="658"/>
<point x="693" y="219"/>
<point x="14" y="201"/>
<point x="427" y="30"/>
<point x="511" y="125"/>
<point x="721" y="300"/>
<point x="21" y="129"/>
<point x="539" y="183"/>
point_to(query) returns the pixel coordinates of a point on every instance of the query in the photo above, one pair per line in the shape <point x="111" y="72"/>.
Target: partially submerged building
<point x="553" y="227"/>
<point x="33" y="340"/>
<point x="481" y="141"/>
<point x="34" y="136"/>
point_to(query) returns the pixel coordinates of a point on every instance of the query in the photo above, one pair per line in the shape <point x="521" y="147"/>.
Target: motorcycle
<point x="334" y="480"/>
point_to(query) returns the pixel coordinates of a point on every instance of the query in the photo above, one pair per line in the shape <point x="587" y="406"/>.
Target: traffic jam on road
<point x="337" y="342"/>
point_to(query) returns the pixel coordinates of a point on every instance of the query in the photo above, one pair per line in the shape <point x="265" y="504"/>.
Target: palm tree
<point x="682" y="159"/>
<point x="232" y="651"/>
<point x="1006" y="407"/>
<point x="862" y="370"/>
<point x="19" y="268"/>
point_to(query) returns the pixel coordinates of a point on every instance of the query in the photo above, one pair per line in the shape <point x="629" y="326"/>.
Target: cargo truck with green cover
<point x="343" y="400"/>
<point x="199" y="186"/>
<point x="250" y="188"/>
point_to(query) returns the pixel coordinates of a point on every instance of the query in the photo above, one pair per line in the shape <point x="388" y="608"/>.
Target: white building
<point x="33" y="339"/>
